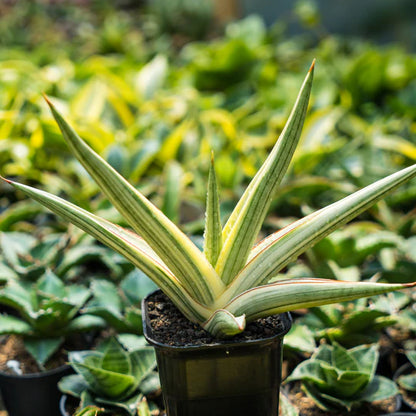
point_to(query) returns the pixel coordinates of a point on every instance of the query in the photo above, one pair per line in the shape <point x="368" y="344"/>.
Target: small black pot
<point x="224" y="378"/>
<point x="405" y="369"/>
<point x="33" y="394"/>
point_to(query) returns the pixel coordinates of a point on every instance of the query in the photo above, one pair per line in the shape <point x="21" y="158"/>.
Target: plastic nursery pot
<point x="33" y="394"/>
<point x="407" y="403"/>
<point x="223" y="378"/>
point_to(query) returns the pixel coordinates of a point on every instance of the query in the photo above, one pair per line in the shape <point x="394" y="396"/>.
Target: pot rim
<point x="38" y="375"/>
<point x="286" y="320"/>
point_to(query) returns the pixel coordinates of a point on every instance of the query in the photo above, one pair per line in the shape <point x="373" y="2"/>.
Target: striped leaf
<point x="178" y="252"/>
<point x="277" y="250"/>
<point x="126" y="243"/>
<point x="293" y="294"/>
<point x="107" y="383"/>
<point x="212" y="234"/>
<point x="245" y="222"/>
<point x="224" y="324"/>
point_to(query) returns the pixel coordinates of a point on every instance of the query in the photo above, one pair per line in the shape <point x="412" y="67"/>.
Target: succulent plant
<point x="349" y="324"/>
<point x="45" y="313"/>
<point x="226" y="285"/>
<point x="28" y="257"/>
<point x="340" y="379"/>
<point x="120" y="306"/>
<point x="114" y="378"/>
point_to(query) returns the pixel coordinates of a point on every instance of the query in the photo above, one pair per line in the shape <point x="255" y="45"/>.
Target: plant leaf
<point x="411" y="356"/>
<point x="177" y="251"/>
<point x="126" y="243"/>
<point x="224" y="324"/>
<point x="84" y="323"/>
<point x="90" y="411"/>
<point x="104" y="382"/>
<point x="407" y="382"/>
<point x="277" y="250"/>
<point x="150" y="383"/>
<point x="12" y="325"/>
<point x="245" y="222"/>
<point x="379" y="388"/>
<point x="73" y="384"/>
<point x="42" y="349"/>
<point x="130" y="405"/>
<point x="143" y="362"/>
<point x="292" y="294"/>
<point x="212" y="234"/>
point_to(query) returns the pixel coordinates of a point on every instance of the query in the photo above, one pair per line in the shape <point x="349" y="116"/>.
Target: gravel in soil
<point x="170" y="327"/>
<point x="307" y="406"/>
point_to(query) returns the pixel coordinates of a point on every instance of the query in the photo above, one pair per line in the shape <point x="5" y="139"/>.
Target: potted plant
<point x="112" y="379"/>
<point x="343" y="382"/>
<point x="226" y="286"/>
<point x="45" y="315"/>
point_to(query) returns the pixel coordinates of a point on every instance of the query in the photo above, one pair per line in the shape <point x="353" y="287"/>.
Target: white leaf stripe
<point x="213" y="232"/>
<point x="179" y="253"/>
<point x="303" y="293"/>
<point x="277" y="250"/>
<point x="245" y="222"/>
<point x="125" y="243"/>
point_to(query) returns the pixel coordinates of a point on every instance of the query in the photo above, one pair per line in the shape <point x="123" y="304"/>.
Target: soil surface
<point x="307" y="406"/>
<point x="12" y="348"/>
<point x="172" y="328"/>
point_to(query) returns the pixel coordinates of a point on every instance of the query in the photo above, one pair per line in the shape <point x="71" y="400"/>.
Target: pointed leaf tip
<point x="46" y="98"/>
<point x="312" y="65"/>
<point x="5" y="180"/>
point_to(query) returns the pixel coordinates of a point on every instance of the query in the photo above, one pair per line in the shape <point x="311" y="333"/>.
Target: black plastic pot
<point x="33" y="394"/>
<point x="221" y="379"/>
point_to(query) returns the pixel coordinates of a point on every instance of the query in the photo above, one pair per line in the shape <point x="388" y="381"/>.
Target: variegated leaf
<point x="178" y="252"/>
<point x="293" y="294"/>
<point x="212" y="234"/>
<point x="124" y="242"/>
<point x="277" y="250"/>
<point x="245" y="222"/>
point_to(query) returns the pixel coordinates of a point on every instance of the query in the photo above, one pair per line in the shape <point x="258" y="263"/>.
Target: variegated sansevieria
<point x="226" y="285"/>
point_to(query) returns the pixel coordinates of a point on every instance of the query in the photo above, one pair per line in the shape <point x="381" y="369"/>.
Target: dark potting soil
<point x="307" y="406"/>
<point x="12" y="348"/>
<point x="170" y="327"/>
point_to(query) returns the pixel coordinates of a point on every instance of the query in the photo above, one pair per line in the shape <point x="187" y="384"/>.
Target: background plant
<point x="111" y="377"/>
<point x="340" y="380"/>
<point x="46" y="314"/>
